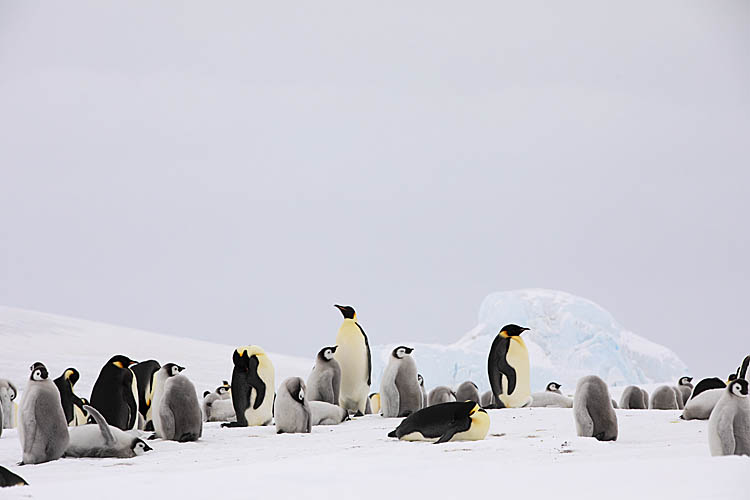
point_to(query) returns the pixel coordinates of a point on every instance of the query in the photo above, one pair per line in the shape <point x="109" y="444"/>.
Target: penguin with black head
<point x="508" y="369"/>
<point x="115" y="393"/>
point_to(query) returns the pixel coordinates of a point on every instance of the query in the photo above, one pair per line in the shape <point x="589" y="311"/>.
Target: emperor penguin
<point x="440" y="394"/>
<point x="456" y="421"/>
<point x="487" y="399"/>
<point x="354" y="356"/>
<point x="700" y="407"/>
<point x="706" y="385"/>
<point x="176" y="412"/>
<point x="508" y="369"/>
<point x="663" y="398"/>
<point x="70" y="402"/>
<point x="103" y="440"/>
<point x="729" y="424"/>
<point x="324" y="382"/>
<point x="8" y="478"/>
<point x="216" y="409"/>
<point x="253" y="387"/>
<point x="420" y="378"/>
<point x="550" y="399"/>
<point x="327" y="414"/>
<point x="633" y="398"/>
<point x="43" y="429"/>
<point x="291" y="409"/>
<point x="553" y="387"/>
<point x="685" y="387"/>
<point x="224" y="391"/>
<point x="144" y="376"/>
<point x="745" y="368"/>
<point x="678" y="397"/>
<point x="593" y="411"/>
<point x="9" y="406"/>
<point x="399" y="388"/>
<point x="468" y="391"/>
<point x="373" y="401"/>
<point x="113" y="394"/>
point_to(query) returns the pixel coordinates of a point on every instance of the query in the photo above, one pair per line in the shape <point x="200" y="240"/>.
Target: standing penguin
<point x="441" y="394"/>
<point x="324" y="382"/>
<point x="633" y="398"/>
<point x="144" y="378"/>
<point x="176" y="411"/>
<point x="420" y="378"/>
<point x="468" y="391"/>
<point x="678" y="397"/>
<point x="664" y="398"/>
<point x="291" y="410"/>
<point x="68" y="399"/>
<point x="43" y="429"/>
<point x="487" y="399"/>
<point x="8" y="395"/>
<point x="113" y="393"/>
<point x="508" y="369"/>
<point x="253" y="387"/>
<point x="399" y="389"/>
<point x="593" y="411"/>
<point x="353" y="354"/>
<point x="685" y="388"/>
<point x="729" y="424"/>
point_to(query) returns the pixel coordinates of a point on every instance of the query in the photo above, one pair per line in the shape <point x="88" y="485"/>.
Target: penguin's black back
<point x="708" y="384"/>
<point x="8" y="478"/>
<point x="109" y="397"/>
<point x="144" y="372"/>
<point x="433" y="421"/>
<point x="66" y="396"/>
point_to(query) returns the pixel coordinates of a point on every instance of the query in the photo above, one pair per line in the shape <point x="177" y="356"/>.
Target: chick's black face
<point x="172" y="369"/>
<point x="347" y="311"/>
<point x="513" y="330"/>
<point x="38" y="371"/>
<point x="739" y="387"/>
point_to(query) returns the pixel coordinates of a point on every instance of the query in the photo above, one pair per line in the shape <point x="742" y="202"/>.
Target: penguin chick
<point x="468" y="391"/>
<point x="399" y="388"/>
<point x="553" y="387"/>
<point x="176" y="410"/>
<point x="103" y="440"/>
<point x="593" y="411"/>
<point x="324" y="382"/>
<point x="441" y="394"/>
<point x="664" y="398"/>
<point x="327" y="414"/>
<point x="729" y="424"/>
<point x="291" y="409"/>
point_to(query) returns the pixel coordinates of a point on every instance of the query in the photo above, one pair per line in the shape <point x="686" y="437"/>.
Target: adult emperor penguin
<point x="553" y="387"/>
<point x="420" y="378"/>
<point x="399" y="388"/>
<point x="729" y="424"/>
<point x="68" y="399"/>
<point x="113" y="393"/>
<point x="508" y="369"/>
<point x="103" y="440"/>
<point x="353" y="354"/>
<point x="700" y="407"/>
<point x="8" y="478"/>
<point x="176" y="411"/>
<point x="253" y="387"/>
<point x="633" y="398"/>
<point x="441" y="394"/>
<point x="144" y="375"/>
<point x="706" y="385"/>
<point x="685" y="387"/>
<point x="468" y="391"/>
<point x="456" y="421"/>
<point x="8" y="395"/>
<point x="290" y="409"/>
<point x="327" y="414"/>
<point x="43" y="429"/>
<point x="324" y="382"/>
<point x="593" y="411"/>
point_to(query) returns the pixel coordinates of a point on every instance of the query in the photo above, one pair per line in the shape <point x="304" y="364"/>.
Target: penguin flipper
<point x="256" y="382"/>
<point x="130" y="400"/>
<point x="109" y="438"/>
<point x="448" y="435"/>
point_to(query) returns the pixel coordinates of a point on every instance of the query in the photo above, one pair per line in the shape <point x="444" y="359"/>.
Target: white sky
<point x="229" y="170"/>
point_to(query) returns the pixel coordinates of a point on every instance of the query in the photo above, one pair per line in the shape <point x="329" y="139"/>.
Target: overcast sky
<point x="229" y="171"/>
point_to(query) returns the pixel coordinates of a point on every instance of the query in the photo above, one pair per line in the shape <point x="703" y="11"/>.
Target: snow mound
<point x="570" y="337"/>
<point x="61" y="342"/>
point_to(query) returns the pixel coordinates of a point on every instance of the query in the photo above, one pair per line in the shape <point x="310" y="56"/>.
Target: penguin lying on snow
<point x="729" y="425"/>
<point x="103" y="440"/>
<point x="8" y="478"/>
<point x="701" y="406"/>
<point x="327" y="414"/>
<point x="553" y="387"/>
<point x="593" y="411"/>
<point x="216" y="409"/>
<point x="707" y="384"/>
<point x="456" y="421"/>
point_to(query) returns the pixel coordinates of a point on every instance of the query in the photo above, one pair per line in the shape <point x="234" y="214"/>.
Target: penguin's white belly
<point x="264" y="414"/>
<point x="518" y="358"/>
<point x="352" y="358"/>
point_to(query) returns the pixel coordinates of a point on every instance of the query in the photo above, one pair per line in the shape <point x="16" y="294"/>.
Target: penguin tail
<point x="392" y="434"/>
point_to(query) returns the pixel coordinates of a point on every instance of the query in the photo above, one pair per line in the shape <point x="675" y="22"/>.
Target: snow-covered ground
<point x="528" y="452"/>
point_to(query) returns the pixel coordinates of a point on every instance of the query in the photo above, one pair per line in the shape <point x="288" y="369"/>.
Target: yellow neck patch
<point x="118" y="364"/>
<point x="250" y="350"/>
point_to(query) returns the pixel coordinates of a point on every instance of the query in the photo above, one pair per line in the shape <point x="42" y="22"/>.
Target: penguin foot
<point x="359" y="414"/>
<point x="233" y="424"/>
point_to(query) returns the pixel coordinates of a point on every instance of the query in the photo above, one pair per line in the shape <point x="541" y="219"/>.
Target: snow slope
<point x="570" y="337"/>
<point x="355" y="458"/>
<point x="60" y="342"/>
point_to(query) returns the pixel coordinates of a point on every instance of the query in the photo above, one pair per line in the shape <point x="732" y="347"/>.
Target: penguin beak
<point x="409" y="350"/>
<point x="131" y="362"/>
<point x="338" y="306"/>
<point x="333" y="349"/>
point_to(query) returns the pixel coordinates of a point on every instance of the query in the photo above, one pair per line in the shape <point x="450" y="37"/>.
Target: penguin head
<point x="401" y="351"/>
<point x="685" y="380"/>
<point x="512" y="330"/>
<point x="121" y="361"/>
<point x="206" y="393"/>
<point x="221" y="390"/>
<point x="140" y="447"/>
<point x="326" y="354"/>
<point x="731" y="377"/>
<point x="738" y="387"/>
<point x="347" y="311"/>
<point x="476" y="412"/>
<point x="72" y="376"/>
<point x="38" y="372"/>
<point x="553" y="386"/>
<point x="420" y="379"/>
<point x="172" y="369"/>
<point x="296" y="388"/>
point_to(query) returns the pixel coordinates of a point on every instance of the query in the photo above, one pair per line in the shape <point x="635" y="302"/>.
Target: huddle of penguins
<point x="130" y="399"/>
